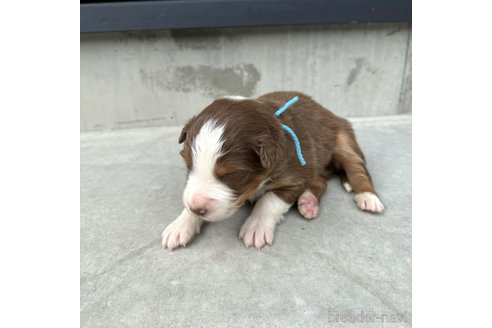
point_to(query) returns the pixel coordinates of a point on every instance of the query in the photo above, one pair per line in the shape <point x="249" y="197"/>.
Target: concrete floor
<point x="341" y="269"/>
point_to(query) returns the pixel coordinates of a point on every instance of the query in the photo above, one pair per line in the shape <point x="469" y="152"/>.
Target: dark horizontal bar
<point x="150" y="15"/>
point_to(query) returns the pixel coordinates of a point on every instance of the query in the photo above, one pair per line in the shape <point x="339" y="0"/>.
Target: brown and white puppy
<point x="236" y="150"/>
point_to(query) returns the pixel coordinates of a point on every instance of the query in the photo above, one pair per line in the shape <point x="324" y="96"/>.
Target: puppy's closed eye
<point x="236" y="180"/>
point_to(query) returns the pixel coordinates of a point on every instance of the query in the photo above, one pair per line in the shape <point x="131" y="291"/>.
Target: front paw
<point x="181" y="231"/>
<point x="256" y="232"/>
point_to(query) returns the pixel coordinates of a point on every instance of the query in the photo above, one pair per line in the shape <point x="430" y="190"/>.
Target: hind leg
<point x="349" y="156"/>
<point x="308" y="202"/>
<point x="345" y="183"/>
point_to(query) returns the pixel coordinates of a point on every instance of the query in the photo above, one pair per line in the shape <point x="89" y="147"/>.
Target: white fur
<point x="206" y="149"/>
<point x="347" y="186"/>
<point x="235" y="97"/>
<point x="367" y="201"/>
<point x="259" y="227"/>
<point x="181" y="230"/>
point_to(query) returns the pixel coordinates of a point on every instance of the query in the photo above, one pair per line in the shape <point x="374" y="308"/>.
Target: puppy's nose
<point x="200" y="204"/>
<point x="199" y="210"/>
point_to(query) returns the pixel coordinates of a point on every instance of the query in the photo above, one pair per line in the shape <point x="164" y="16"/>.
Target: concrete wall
<point x="161" y="78"/>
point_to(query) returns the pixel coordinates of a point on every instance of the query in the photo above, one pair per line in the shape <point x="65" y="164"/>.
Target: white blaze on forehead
<point x="207" y="147"/>
<point x="205" y="151"/>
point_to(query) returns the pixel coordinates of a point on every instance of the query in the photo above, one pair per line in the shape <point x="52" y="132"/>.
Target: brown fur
<point x="257" y="149"/>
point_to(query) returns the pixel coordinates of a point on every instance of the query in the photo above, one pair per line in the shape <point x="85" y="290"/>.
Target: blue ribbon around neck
<point x="290" y="131"/>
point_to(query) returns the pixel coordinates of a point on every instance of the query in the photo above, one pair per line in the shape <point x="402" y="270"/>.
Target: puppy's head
<point x="229" y="150"/>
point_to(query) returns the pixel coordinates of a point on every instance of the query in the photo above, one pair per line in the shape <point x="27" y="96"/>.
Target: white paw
<point x="257" y="232"/>
<point x="307" y="204"/>
<point x="347" y="186"/>
<point x="180" y="231"/>
<point x="367" y="201"/>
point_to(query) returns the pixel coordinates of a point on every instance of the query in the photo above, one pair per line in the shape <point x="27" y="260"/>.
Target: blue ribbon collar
<point x="290" y="131"/>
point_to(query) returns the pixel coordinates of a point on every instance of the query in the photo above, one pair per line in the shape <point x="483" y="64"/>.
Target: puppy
<point x="236" y="150"/>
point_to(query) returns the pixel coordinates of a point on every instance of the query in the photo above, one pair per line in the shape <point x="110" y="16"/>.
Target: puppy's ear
<point x="184" y="132"/>
<point x="270" y="151"/>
